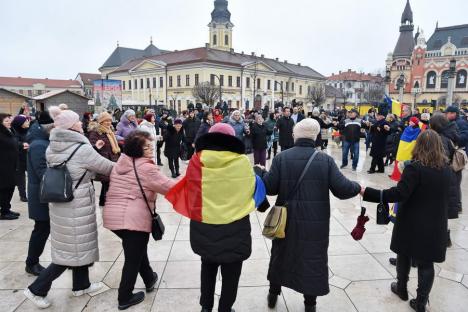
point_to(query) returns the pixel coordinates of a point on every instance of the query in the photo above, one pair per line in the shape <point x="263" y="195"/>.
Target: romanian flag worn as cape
<point x="405" y="149"/>
<point x="220" y="187"/>
<point x="393" y="106"/>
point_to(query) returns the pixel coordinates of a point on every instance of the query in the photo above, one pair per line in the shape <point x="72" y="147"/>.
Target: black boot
<point x="150" y="287"/>
<point x="136" y="299"/>
<point x="401" y="290"/>
<point x="419" y="304"/>
<point x="449" y="240"/>
<point x="425" y="281"/>
<point x="309" y="308"/>
<point x="403" y="267"/>
<point x="272" y="299"/>
<point x="392" y="261"/>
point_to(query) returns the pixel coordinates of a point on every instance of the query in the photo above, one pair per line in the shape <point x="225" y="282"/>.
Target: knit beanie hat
<point x="103" y="117"/>
<point x="43" y="118"/>
<point x="178" y="121"/>
<point x="65" y="119"/>
<point x="425" y="116"/>
<point x="129" y="112"/>
<point x="306" y="129"/>
<point x="414" y="120"/>
<point x="18" y="121"/>
<point x="223" y="128"/>
<point x="148" y="117"/>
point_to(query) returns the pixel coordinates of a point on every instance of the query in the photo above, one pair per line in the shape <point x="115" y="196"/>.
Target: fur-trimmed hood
<point x="220" y="142"/>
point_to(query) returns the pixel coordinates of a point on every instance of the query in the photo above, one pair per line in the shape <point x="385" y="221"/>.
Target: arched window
<point x="431" y="80"/>
<point x="444" y="79"/>
<point x="416" y="85"/>
<point x="461" y="79"/>
<point x="215" y="40"/>
<point x="226" y="40"/>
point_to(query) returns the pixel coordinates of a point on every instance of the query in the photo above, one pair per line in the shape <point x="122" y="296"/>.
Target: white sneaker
<point x="94" y="287"/>
<point x="40" y="302"/>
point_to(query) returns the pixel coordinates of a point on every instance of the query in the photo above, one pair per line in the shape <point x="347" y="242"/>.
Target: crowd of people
<point x="124" y="155"/>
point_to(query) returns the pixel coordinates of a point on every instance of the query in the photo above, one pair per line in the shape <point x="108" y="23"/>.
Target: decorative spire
<point x="117" y="43"/>
<point x="407" y="15"/>
<point x="221" y="13"/>
<point x="437" y="25"/>
<point x="151" y="40"/>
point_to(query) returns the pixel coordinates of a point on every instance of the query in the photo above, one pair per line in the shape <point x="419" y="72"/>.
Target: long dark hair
<point x="429" y="150"/>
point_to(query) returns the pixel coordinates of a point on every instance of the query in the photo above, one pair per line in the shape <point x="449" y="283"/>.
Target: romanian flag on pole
<point x="219" y="187"/>
<point x="405" y="149"/>
<point x="393" y="106"/>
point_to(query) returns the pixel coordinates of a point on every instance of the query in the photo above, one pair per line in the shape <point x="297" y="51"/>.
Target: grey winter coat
<point x="73" y="230"/>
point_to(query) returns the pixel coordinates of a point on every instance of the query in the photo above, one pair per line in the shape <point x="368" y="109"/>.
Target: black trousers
<point x="459" y="177"/>
<point x="230" y="273"/>
<point x="309" y="300"/>
<point x="173" y="164"/>
<point x="377" y="162"/>
<point x="275" y="150"/>
<point x="135" y="246"/>
<point x="20" y="178"/>
<point x="425" y="274"/>
<point x="37" y="241"/>
<point x="104" y="189"/>
<point x="190" y="150"/>
<point x="6" y="194"/>
<point x="42" y="284"/>
<point x="159" y="146"/>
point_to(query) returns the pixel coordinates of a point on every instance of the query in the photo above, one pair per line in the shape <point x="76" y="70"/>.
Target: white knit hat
<point x="306" y="129"/>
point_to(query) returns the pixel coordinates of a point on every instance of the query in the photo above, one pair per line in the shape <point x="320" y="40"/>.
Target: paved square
<point x="360" y="274"/>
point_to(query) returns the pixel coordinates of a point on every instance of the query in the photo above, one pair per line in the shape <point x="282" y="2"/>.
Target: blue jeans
<point x="354" y="150"/>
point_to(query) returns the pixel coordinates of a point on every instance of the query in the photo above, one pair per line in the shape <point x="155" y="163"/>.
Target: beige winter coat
<point x="73" y="226"/>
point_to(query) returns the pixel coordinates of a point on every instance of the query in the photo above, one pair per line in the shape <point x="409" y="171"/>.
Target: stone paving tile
<point x="360" y="274"/>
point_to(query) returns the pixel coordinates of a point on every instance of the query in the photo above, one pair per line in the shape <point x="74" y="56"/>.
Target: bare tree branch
<point x="206" y="93"/>
<point x="374" y="93"/>
<point x="317" y="95"/>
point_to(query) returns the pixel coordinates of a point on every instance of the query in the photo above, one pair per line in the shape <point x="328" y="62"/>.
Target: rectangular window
<point x="161" y="82"/>
<point x="221" y="80"/>
<point x="247" y="83"/>
<point x="212" y="79"/>
<point x="154" y="83"/>
<point x="230" y="81"/>
<point x="148" y="83"/>
<point x="259" y="84"/>
<point x="178" y="81"/>
<point x="187" y="80"/>
<point x="238" y="82"/>
<point x="292" y="86"/>
<point x="275" y="87"/>
<point x="300" y="90"/>
<point x="287" y="86"/>
<point x="197" y="79"/>
<point x="129" y="85"/>
<point x="170" y="81"/>
<point x="141" y="83"/>
<point x="136" y="84"/>
<point x="29" y="93"/>
<point x="269" y="84"/>
<point x="123" y="85"/>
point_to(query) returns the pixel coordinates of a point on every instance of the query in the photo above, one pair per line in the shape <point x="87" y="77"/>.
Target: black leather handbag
<point x="383" y="212"/>
<point x="157" y="226"/>
<point x="57" y="185"/>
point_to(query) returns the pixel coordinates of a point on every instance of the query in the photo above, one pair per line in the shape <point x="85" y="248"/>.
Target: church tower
<point x="221" y="26"/>
<point x="405" y="45"/>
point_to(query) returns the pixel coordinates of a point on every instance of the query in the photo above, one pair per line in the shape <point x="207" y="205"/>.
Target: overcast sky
<point x="59" y="38"/>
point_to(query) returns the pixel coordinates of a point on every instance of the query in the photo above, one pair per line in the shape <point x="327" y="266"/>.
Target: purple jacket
<point x="125" y="127"/>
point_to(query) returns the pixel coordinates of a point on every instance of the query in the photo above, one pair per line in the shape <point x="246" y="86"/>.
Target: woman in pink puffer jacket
<point x="127" y="215"/>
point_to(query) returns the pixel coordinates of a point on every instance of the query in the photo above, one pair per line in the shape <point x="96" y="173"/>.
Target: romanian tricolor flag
<point x="219" y="187"/>
<point x="405" y="149"/>
<point x="393" y="106"/>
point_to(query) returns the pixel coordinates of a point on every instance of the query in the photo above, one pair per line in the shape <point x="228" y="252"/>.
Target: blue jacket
<point x="462" y="125"/>
<point x="36" y="163"/>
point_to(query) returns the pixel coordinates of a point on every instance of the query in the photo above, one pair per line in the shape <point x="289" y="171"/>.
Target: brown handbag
<point x="275" y="222"/>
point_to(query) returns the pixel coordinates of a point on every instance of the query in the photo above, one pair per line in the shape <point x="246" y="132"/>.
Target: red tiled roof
<point x="88" y="78"/>
<point x="27" y="82"/>
<point x="354" y="76"/>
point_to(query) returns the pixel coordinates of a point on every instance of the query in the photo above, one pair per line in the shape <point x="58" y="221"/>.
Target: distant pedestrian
<point x="379" y="131"/>
<point x="174" y="139"/>
<point x="127" y="124"/>
<point x="350" y="129"/>
<point x="20" y="127"/>
<point x="260" y="134"/>
<point x="285" y="126"/>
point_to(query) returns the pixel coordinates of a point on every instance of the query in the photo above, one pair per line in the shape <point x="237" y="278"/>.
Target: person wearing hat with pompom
<point x="38" y="139"/>
<point x="102" y="138"/>
<point x="20" y="126"/>
<point x="379" y="131"/>
<point x="174" y="138"/>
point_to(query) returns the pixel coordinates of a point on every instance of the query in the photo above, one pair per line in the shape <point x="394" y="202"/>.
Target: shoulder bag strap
<point x="381" y="196"/>
<point x="153" y="213"/>
<point x="298" y="183"/>
<point x="73" y="153"/>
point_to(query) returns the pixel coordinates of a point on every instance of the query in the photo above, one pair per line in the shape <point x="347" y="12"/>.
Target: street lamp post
<point x="387" y="81"/>
<point x="400" y="86"/>
<point x="451" y="76"/>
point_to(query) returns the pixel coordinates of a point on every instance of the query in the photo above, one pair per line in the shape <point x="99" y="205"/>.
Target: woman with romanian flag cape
<point x="406" y="146"/>
<point x="218" y="192"/>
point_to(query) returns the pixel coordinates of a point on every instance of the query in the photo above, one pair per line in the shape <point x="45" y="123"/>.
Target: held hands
<point x="25" y="146"/>
<point x="386" y="127"/>
<point x="363" y="190"/>
<point x="100" y="144"/>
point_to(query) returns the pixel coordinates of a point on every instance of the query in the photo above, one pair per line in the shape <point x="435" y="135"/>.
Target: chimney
<point x="253" y="53"/>
<point x="207" y="45"/>
<point x="263" y="56"/>
<point x="340" y="72"/>
<point x="231" y="50"/>
<point x="242" y="52"/>
<point x="285" y="61"/>
<point x="298" y="64"/>
<point x="277" y="59"/>
<point x="349" y="70"/>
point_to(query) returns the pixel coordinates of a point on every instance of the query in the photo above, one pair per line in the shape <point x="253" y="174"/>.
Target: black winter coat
<point x="9" y="157"/>
<point x="20" y="135"/>
<point x="379" y="138"/>
<point x="203" y="129"/>
<point x="259" y="135"/>
<point x="173" y="141"/>
<point x="221" y="243"/>
<point x="38" y="141"/>
<point x="300" y="261"/>
<point x="420" y="229"/>
<point x="285" y="127"/>
<point x="191" y="126"/>
<point x="448" y="136"/>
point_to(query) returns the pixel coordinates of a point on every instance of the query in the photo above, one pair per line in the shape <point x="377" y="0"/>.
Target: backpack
<point x="57" y="185"/>
<point x="459" y="159"/>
